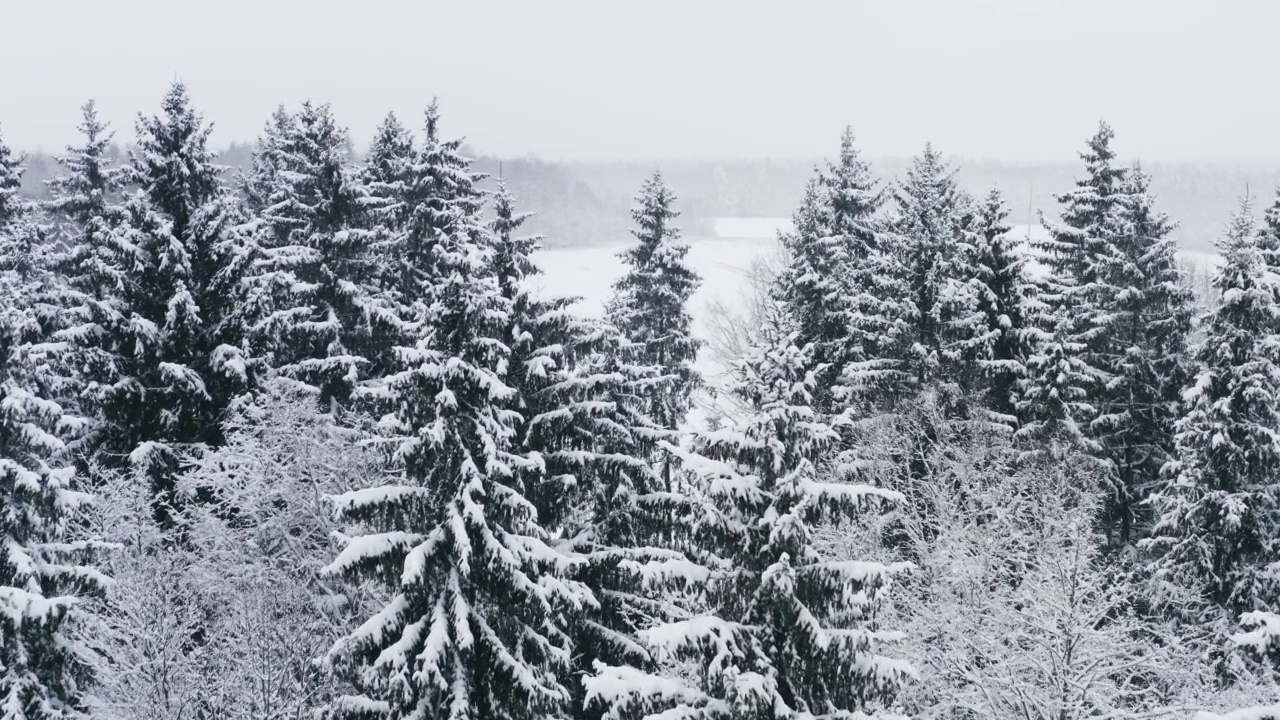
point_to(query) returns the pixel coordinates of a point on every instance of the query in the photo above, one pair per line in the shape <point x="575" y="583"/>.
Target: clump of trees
<point x="305" y="440"/>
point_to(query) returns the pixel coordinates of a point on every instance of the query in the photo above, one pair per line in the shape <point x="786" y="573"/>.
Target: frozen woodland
<point x="317" y="439"/>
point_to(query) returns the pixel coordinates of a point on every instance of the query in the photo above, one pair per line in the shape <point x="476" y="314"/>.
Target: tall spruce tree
<point x="84" y="210"/>
<point x="1066" y="373"/>
<point x="812" y="282"/>
<point x="830" y="282"/>
<point x="1148" y="323"/>
<point x="438" y="185"/>
<point x="160" y="369"/>
<point x="1219" y="510"/>
<point x="473" y="626"/>
<point x="585" y="445"/>
<point x="934" y="303"/>
<point x="259" y="183"/>
<point x="385" y="180"/>
<point x="1007" y="300"/>
<point x="44" y="669"/>
<point x="386" y="175"/>
<point x="650" y="303"/>
<point x="1086" y="227"/>
<point x="1269" y="234"/>
<point x="314" y="267"/>
<point x="81" y="201"/>
<point x="774" y="643"/>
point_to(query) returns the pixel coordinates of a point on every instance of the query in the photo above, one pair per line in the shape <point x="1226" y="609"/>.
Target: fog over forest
<point x="585" y="204"/>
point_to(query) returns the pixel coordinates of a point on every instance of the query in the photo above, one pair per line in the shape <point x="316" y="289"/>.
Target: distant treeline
<point x="581" y="204"/>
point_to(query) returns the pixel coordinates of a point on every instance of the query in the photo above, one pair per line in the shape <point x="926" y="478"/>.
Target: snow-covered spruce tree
<point x="1086" y="227"/>
<point x="543" y="342"/>
<point x="12" y="207"/>
<point x="161" y="365"/>
<point x="314" y="266"/>
<point x="83" y="211"/>
<point x="259" y="183"/>
<point x="385" y="179"/>
<point x="829" y="282"/>
<point x="853" y="197"/>
<point x="1008" y="301"/>
<point x="1148" y="319"/>
<point x="811" y="283"/>
<point x="81" y="205"/>
<point x="1055" y="393"/>
<point x="44" y="575"/>
<point x="1218" y="530"/>
<point x="586" y="446"/>
<point x="1064" y="384"/>
<point x="472" y="629"/>
<point x="1269" y="235"/>
<point x="650" y="303"/>
<point x="438" y="185"/>
<point x="934" y="303"/>
<point x="386" y="174"/>
<point x="789" y="634"/>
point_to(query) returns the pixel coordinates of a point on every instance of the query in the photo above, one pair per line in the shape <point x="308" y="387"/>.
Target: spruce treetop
<point x="172" y="162"/>
<point x="80" y="192"/>
<point x="11" y="168"/>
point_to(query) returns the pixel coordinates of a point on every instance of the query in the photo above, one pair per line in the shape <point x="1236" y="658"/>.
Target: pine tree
<point x="84" y="211"/>
<point x="472" y="629"/>
<point x="1065" y="374"/>
<point x="386" y="174"/>
<point x="650" y="303"/>
<point x="438" y="186"/>
<point x="541" y="339"/>
<point x="81" y="198"/>
<point x="1269" y="235"/>
<point x="1219" y="510"/>
<point x="851" y="191"/>
<point x="811" y="283"/>
<point x="1086" y="225"/>
<point x="314" y="265"/>
<point x="863" y="277"/>
<point x="258" y="185"/>
<point x="1055" y="393"/>
<point x="1148" y="321"/>
<point x="586" y="446"/>
<point x="934" y="304"/>
<point x="161" y="368"/>
<point x="385" y="182"/>
<point x="1007" y="299"/>
<point x="831" y="279"/>
<point x="44" y="670"/>
<point x="775" y="644"/>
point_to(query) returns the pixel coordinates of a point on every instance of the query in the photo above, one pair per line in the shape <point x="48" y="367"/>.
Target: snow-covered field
<point x="723" y="262"/>
<point x="589" y="273"/>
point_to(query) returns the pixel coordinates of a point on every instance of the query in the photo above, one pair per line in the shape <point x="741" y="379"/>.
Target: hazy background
<point x="735" y="99"/>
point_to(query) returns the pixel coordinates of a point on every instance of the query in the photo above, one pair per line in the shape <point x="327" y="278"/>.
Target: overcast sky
<point x="604" y="79"/>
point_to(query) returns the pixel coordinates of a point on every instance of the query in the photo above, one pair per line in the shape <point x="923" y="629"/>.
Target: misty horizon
<point x="582" y="82"/>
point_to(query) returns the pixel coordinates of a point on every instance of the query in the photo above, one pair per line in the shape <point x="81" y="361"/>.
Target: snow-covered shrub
<point x="227" y="616"/>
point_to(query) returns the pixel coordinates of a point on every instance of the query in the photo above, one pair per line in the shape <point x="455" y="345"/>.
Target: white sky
<point x="606" y="79"/>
